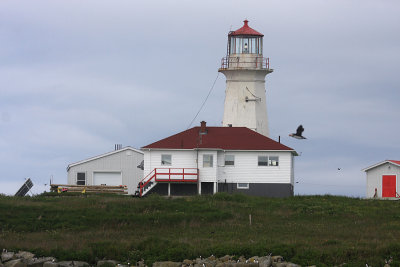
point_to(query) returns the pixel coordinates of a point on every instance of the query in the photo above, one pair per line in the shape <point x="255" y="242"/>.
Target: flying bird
<point x="298" y="134"/>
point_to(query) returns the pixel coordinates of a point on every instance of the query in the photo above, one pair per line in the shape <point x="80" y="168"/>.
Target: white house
<point x="206" y="160"/>
<point x="382" y="179"/>
<point x="119" y="167"/>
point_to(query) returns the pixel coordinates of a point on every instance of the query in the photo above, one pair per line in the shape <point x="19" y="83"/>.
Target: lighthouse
<point x="245" y="69"/>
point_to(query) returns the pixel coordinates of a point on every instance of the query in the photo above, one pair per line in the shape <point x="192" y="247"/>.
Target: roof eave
<point x="102" y="155"/>
<point x="379" y="164"/>
<point x="223" y="149"/>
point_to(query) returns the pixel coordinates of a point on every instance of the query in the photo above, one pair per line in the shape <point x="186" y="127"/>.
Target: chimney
<point x="203" y="127"/>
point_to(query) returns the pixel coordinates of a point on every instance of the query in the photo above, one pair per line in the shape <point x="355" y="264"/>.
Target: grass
<point x="321" y="230"/>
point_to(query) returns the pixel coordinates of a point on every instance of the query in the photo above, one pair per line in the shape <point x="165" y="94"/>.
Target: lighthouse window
<point x="245" y="45"/>
<point x="166" y="159"/>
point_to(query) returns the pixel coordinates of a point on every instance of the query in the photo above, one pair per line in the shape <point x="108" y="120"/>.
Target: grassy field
<point x="321" y="230"/>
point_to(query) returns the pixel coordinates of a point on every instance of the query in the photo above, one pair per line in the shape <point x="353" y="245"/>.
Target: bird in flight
<point x="298" y="134"/>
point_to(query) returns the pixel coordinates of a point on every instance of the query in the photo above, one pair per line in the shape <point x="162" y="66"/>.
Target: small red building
<point x="382" y="179"/>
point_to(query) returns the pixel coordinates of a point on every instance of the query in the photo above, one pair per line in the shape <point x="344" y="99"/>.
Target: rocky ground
<point x="27" y="259"/>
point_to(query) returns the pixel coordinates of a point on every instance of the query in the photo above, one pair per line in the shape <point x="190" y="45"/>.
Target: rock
<point x="279" y="264"/>
<point x="265" y="261"/>
<point x="187" y="262"/>
<point x="50" y="264"/>
<point x="290" y="264"/>
<point x="212" y="258"/>
<point x="167" y="264"/>
<point x="277" y="259"/>
<point x="38" y="262"/>
<point x="225" y="258"/>
<point x="24" y="255"/>
<point x="205" y="263"/>
<point x="226" y="264"/>
<point x="15" y="263"/>
<point x="72" y="264"/>
<point x="246" y="264"/>
<point x="141" y="263"/>
<point x="107" y="263"/>
<point x="253" y="259"/>
<point x="6" y="256"/>
<point x="242" y="259"/>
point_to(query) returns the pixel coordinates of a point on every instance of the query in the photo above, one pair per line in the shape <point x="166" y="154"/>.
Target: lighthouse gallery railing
<point x="233" y="62"/>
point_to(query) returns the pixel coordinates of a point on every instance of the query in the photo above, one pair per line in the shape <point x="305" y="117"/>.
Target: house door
<point x="388" y="185"/>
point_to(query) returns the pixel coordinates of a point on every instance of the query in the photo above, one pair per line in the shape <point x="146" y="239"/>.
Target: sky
<point x="77" y="77"/>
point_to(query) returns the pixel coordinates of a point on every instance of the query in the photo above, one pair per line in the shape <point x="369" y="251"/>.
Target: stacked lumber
<point x="60" y="188"/>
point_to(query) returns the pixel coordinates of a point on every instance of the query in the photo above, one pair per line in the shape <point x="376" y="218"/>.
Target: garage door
<point x="389" y="186"/>
<point x="107" y="178"/>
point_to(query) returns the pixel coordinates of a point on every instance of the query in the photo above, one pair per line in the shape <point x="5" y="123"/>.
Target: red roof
<point x="246" y="30"/>
<point x="227" y="138"/>
<point x="395" y="161"/>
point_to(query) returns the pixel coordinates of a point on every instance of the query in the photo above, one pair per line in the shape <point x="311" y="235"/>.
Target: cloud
<point x="76" y="78"/>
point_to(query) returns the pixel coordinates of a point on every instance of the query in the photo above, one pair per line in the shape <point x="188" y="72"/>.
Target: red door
<point x="388" y="185"/>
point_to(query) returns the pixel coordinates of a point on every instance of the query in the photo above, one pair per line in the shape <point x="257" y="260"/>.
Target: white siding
<point x="124" y="161"/>
<point x="245" y="170"/>
<point x="208" y="174"/>
<point x="179" y="159"/>
<point x="374" y="178"/>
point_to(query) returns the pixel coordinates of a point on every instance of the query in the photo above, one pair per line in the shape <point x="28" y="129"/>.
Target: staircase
<point x="168" y="175"/>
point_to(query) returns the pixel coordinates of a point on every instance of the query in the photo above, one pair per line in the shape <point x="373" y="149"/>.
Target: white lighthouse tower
<point x="245" y="69"/>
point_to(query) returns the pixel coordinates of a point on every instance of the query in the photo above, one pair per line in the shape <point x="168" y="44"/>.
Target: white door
<point x="107" y="178"/>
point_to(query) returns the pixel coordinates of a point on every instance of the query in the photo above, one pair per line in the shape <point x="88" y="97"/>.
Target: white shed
<point x="383" y="179"/>
<point x="119" y="167"/>
<point x="206" y="160"/>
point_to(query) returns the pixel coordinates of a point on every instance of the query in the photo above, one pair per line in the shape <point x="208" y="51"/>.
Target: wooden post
<point x="250" y="219"/>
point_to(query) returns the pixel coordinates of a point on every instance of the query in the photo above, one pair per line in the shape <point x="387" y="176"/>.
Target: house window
<point x="273" y="161"/>
<point x="207" y="160"/>
<point x="242" y="186"/>
<point x="262" y="160"/>
<point x="229" y="160"/>
<point x="81" y="178"/>
<point x="166" y="160"/>
<point x="268" y="161"/>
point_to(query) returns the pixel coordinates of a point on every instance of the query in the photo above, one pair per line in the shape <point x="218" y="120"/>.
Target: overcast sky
<point x="77" y="77"/>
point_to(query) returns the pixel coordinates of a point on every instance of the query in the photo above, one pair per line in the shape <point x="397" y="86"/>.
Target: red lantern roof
<point x="246" y="30"/>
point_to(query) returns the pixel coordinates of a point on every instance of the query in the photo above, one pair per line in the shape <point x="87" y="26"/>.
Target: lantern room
<point x="245" y="41"/>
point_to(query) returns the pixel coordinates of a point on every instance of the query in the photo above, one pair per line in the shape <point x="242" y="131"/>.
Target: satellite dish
<point x="24" y="188"/>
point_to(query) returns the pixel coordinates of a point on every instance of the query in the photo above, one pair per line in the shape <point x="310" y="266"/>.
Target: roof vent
<point x="117" y="146"/>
